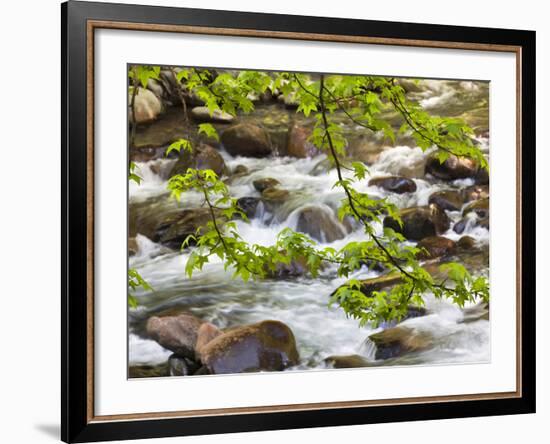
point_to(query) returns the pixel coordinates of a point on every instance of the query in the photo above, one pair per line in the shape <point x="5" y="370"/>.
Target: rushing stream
<point x="299" y="302"/>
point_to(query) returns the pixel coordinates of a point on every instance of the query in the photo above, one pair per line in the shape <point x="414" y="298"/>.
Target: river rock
<point x="399" y="340"/>
<point x="479" y="207"/>
<point x="175" y="333"/>
<point x="202" y="114"/>
<point x="475" y="192"/>
<point x="453" y="168"/>
<point x="298" y="145"/>
<point x="240" y="170"/>
<point x="466" y="243"/>
<point x="436" y="246"/>
<point x="320" y="223"/>
<point x="275" y="195"/>
<point x="206" y="333"/>
<point x="461" y="225"/>
<point x="450" y="200"/>
<point x="147" y="106"/>
<point x="265" y="183"/>
<point x="265" y="346"/>
<point x="420" y="222"/>
<point x="174" y="229"/>
<point x="347" y="361"/>
<point x="249" y="205"/>
<point x="395" y="184"/>
<point x="204" y="157"/>
<point x="179" y="366"/>
<point x="246" y="139"/>
<point x="475" y="313"/>
<point x="365" y="150"/>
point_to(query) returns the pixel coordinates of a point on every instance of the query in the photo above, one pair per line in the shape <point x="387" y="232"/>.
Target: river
<point x="301" y="302"/>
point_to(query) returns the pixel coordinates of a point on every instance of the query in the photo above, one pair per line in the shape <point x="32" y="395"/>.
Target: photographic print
<point x="286" y="221"/>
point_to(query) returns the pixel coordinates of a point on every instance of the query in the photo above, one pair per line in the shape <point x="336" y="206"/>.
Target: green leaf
<point x="178" y="145"/>
<point x="209" y="130"/>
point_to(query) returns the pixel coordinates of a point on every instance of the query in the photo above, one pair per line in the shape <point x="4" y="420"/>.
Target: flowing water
<point x="299" y="302"/>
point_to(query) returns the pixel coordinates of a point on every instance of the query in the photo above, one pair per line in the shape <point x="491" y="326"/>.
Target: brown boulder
<point x="265" y="183"/>
<point x="399" y="340"/>
<point x="175" y="333"/>
<point x="436" y="246"/>
<point x="298" y="145"/>
<point x="240" y="170"/>
<point x="395" y="184"/>
<point x="265" y="346"/>
<point x="275" y="195"/>
<point x="320" y="223"/>
<point x="420" y="222"/>
<point x="466" y="243"/>
<point x="347" y="361"/>
<point x="246" y="139"/>
<point x="453" y="168"/>
<point x="206" y="333"/>
<point x="365" y="151"/>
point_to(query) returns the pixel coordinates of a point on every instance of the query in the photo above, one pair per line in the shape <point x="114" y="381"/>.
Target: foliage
<point x="364" y="100"/>
<point x="135" y="281"/>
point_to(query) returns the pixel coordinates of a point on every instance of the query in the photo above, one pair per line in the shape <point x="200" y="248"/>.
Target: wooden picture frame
<point x="79" y="22"/>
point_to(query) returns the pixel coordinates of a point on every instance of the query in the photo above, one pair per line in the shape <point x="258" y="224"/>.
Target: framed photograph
<point x="275" y="221"/>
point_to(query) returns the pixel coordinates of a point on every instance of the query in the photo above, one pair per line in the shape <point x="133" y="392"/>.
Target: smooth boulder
<point x="265" y="346"/>
<point x="264" y="183"/>
<point x="206" y="333"/>
<point x="420" y="222"/>
<point x="202" y="114"/>
<point x="347" y="361"/>
<point x="320" y="223"/>
<point x="451" y="169"/>
<point x="175" y="333"/>
<point x="275" y="195"/>
<point x="246" y="139"/>
<point x="147" y="106"/>
<point x="399" y="340"/>
<point x="298" y="143"/>
<point x="394" y="184"/>
<point x="436" y="246"/>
